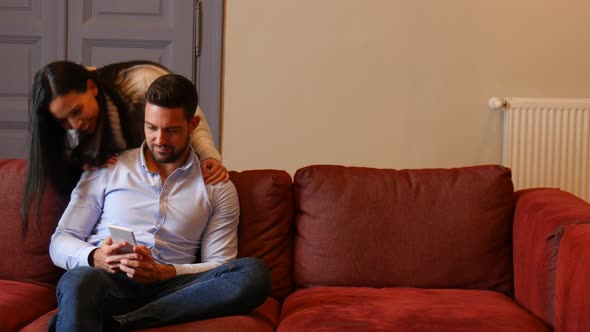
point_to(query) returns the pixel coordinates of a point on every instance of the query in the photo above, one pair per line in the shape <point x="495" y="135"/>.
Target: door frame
<point x="208" y="63"/>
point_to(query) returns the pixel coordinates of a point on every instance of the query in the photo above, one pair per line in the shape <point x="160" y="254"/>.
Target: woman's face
<point x="77" y="110"/>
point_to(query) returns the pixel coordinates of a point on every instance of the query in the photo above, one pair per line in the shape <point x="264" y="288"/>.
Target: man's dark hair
<point x="173" y="90"/>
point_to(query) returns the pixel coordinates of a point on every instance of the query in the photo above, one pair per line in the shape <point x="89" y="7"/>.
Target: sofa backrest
<point x="429" y="228"/>
<point x="266" y="221"/>
<point x="26" y="259"/>
<point x="266" y="203"/>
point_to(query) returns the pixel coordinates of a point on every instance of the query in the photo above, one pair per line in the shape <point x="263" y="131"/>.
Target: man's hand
<point x="107" y="256"/>
<point x="145" y="269"/>
<point x="213" y="171"/>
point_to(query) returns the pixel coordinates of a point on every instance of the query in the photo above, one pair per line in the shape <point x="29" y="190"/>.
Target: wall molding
<point x="14" y="125"/>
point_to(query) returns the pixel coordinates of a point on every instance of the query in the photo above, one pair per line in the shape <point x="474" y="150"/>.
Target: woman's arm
<point x="136" y="84"/>
<point x="202" y="142"/>
<point x="202" y="139"/>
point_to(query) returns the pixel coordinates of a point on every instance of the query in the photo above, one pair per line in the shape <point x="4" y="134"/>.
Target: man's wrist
<point x="91" y="257"/>
<point x="169" y="271"/>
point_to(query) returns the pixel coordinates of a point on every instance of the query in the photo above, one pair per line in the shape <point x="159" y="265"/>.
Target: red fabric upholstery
<point x="572" y="296"/>
<point x="415" y="250"/>
<point x="39" y="324"/>
<point x="33" y="262"/>
<point x="403" y="309"/>
<point x="432" y="228"/>
<point x="266" y="215"/>
<point x="538" y="225"/>
<point x="21" y="303"/>
<point x="263" y="318"/>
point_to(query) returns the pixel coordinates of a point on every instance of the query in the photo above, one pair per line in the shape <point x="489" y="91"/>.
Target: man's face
<point x="166" y="132"/>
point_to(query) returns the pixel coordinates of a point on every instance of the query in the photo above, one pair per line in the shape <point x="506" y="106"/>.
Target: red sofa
<point x="361" y="249"/>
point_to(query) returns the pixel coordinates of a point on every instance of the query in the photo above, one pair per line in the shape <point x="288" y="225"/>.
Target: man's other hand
<point x="145" y="269"/>
<point x="107" y="257"/>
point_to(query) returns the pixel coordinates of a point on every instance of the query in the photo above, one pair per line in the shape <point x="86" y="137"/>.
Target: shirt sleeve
<point x="68" y="247"/>
<point x="202" y="139"/>
<point x="219" y="243"/>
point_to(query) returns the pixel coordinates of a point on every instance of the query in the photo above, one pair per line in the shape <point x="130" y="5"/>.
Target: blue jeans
<point x="91" y="299"/>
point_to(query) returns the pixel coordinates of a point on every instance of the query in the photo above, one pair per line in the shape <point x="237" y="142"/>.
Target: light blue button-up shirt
<point x="174" y="219"/>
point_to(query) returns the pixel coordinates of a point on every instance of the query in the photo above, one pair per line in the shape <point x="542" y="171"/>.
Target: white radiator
<point x="547" y="143"/>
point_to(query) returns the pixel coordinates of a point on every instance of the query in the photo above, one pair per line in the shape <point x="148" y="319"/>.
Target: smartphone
<point x="120" y="234"/>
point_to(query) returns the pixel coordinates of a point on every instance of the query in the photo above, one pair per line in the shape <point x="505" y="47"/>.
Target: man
<point x="159" y="192"/>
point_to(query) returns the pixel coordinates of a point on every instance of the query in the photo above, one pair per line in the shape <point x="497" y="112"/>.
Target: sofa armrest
<point x="572" y="294"/>
<point x="539" y="219"/>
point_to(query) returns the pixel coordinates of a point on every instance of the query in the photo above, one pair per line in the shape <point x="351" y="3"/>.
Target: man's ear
<point x="90" y="85"/>
<point x="194" y="122"/>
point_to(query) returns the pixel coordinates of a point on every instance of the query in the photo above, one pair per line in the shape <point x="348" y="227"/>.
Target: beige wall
<point x="390" y="83"/>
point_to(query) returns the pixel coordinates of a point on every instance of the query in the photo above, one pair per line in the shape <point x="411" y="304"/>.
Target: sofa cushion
<point x="266" y="218"/>
<point x="403" y="309"/>
<point x="21" y="303"/>
<point x="428" y="228"/>
<point x="27" y="259"/>
<point x="264" y="318"/>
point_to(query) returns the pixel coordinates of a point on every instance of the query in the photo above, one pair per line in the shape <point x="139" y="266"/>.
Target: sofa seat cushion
<point x="403" y="309"/>
<point x="264" y="318"/>
<point x="21" y="303"/>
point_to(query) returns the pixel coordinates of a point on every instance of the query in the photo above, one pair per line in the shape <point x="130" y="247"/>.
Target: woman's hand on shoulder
<point x="213" y="171"/>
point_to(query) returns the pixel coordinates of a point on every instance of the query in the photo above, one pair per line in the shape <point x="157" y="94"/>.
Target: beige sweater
<point x="138" y="79"/>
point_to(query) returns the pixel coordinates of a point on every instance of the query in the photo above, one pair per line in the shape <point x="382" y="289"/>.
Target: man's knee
<point x="80" y="278"/>
<point x="254" y="266"/>
<point x="258" y="272"/>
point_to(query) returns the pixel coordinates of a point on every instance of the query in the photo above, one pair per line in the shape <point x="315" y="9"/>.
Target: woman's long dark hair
<point x="50" y="154"/>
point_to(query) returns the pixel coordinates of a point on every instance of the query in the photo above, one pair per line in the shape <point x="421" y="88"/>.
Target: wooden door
<point x="106" y="31"/>
<point x="33" y="33"/>
<point x="29" y="38"/>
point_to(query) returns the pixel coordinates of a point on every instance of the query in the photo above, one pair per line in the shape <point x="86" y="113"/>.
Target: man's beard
<point x="171" y="157"/>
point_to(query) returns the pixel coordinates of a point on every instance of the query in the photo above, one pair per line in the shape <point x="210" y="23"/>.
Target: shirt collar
<point x="190" y="161"/>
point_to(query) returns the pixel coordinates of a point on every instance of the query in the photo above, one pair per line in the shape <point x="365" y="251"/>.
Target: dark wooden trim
<point x="208" y="68"/>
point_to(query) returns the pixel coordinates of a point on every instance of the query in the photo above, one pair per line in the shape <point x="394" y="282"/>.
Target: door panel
<point x="106" y="31"/>
<point x="208" y="67"/>
<point x="30" y="36"/>
<point x="33" y="33"/>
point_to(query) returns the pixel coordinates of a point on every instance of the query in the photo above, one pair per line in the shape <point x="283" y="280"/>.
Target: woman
<point x="81" y="118"/>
